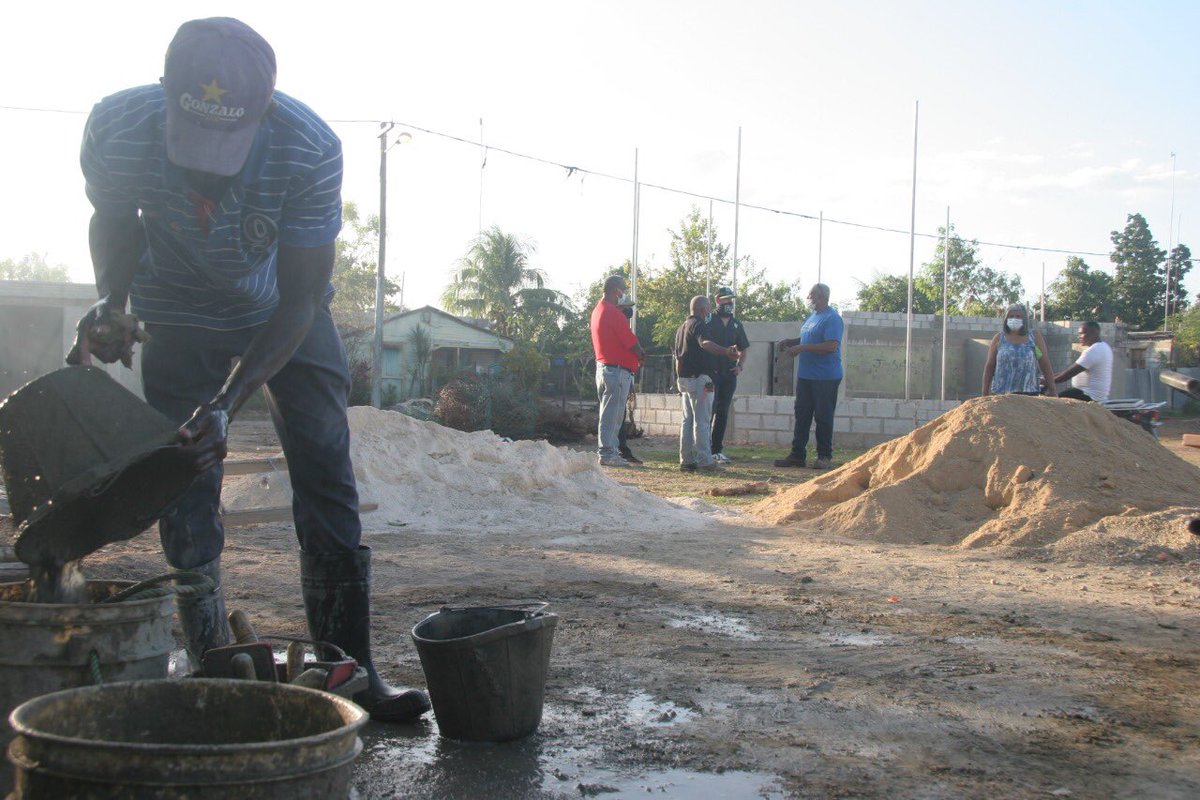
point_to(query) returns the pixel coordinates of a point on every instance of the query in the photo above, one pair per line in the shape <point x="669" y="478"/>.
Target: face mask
<point x="1013" y="323"/>
<point x="725" y="309"/>
<point x="623" y="299"/>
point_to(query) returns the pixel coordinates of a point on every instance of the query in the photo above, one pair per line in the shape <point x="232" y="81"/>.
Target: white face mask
<point x="623" y="300"/>
<point x="1013" y="323"/>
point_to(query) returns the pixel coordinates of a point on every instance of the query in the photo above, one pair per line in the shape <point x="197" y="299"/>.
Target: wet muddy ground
<point x="727" y="661"/>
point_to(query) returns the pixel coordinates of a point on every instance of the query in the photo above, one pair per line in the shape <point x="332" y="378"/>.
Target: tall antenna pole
<point x="482" y="164"/>
<point x="945" y="296"/>
<point x="1170" y="244"/>
<point x="820" y="243"/>
<point x="1043" y="300"/>
<point x="737" y="208"/>
<point x="912" y="245"/>
<point x="708" y="259"/>
<point x="633" y="258"/>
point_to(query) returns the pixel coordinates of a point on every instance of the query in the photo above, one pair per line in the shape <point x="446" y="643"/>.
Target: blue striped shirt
<point x="212" y="263"/>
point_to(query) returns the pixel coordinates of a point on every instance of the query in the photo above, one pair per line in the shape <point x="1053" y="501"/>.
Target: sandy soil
<point x="835" y="668"/>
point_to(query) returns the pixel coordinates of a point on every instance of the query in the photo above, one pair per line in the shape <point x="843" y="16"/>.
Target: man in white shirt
<point x="1091" y="374"/>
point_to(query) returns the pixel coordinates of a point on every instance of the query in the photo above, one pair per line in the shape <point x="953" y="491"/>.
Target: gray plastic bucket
<point x="486" y="668"/>
<point x="200" y="739"/>
<point x="47" y="647"/>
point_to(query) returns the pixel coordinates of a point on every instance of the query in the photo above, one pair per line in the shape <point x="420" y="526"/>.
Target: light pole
<point x="380" y="277"/>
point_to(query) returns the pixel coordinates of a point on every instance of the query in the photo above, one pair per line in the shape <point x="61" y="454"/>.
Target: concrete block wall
<point x="770" y="420"/>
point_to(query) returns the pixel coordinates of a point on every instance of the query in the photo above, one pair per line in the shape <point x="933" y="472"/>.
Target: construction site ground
<point x="742" y="661"/>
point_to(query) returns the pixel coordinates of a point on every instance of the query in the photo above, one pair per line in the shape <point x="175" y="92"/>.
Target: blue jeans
<point x="695" y="446"/>
<point x="814" y="400"/>
<point x="612" y="385"/>
<point x="184" y="366"/>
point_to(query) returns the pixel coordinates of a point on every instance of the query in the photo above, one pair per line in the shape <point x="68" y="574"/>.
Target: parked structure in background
<point x="453" y="345"/>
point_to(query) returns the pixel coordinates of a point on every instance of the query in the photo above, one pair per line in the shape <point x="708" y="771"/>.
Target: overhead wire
<point x="572" y="170"/>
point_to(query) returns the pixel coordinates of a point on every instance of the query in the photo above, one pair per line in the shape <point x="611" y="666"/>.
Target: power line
<point x="572" y="170"/>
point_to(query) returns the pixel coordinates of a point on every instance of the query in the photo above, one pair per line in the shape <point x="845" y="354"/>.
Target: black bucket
<point x="486" y="669"/>
<point x="86" y="463"/>
<point x="202" y="739"/>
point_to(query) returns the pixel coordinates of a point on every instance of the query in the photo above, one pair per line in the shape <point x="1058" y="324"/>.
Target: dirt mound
<point x="1006" y="470"/>
<point x="425" y="476"/>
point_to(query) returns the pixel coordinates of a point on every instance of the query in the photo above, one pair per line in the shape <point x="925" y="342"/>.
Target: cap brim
<point x="204" y="149"/>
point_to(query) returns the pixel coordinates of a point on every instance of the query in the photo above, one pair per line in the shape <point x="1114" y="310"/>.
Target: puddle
<point x="572" y="756"/>
<point x="420" y="765"/>
<point x="644" y="709"/>
<point x="714" y="623"/>
<point x="855" y="639"/>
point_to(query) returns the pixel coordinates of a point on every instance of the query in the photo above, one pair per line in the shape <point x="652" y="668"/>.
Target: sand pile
<point x="426" y="476"/>
<point x="1009" y="470"/>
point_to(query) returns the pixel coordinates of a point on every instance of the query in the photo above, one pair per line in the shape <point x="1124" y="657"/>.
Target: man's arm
<point x="710" y="346"/>
<point x="1068" y="373"/>
<point x="116" y="243"/>
<point x="303" y="275"/>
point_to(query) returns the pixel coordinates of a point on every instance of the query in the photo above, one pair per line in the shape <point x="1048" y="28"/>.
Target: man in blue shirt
<point x="818" y="374"/>
<point x="217" y="204"/>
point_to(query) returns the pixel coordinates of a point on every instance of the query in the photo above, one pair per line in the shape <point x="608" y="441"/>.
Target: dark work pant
<point x="1075" y="394"/>
<point x="815" y="400"/>
<point x="184" y="366"/>
<point x="723" y="388"/>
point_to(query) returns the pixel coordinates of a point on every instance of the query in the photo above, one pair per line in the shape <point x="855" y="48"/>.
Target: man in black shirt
<point x="694" y="366"/>
<point x="726" y="331"/>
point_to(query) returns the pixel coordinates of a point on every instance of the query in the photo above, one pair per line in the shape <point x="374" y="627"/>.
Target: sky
<point x="1041" y="124"/>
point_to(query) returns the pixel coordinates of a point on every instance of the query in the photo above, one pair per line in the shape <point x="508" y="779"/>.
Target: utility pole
<point x="912" y="245"/>
<point x="380" y="276"/>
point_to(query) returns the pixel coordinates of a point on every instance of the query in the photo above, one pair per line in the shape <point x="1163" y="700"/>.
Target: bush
<point x="360" y="382"/>
<point x="475" y="403"/>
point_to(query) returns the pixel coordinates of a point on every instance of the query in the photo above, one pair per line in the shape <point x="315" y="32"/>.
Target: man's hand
<point x="736" y="369"/>
<point x="784" y="344"/>
<point x="204" y="438"/>
<point x="106" y="332"/>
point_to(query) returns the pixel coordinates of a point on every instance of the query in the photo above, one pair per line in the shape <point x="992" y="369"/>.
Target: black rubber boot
<point x="203" y="618"/>
<point x="337" y="602"/>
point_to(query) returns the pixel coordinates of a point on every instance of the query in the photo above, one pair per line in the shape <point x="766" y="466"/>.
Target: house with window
<point x="425" y="347"/>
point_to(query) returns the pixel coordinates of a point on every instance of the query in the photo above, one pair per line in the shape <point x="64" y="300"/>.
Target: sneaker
<point x="687" y="467"/>
<point x="713" y="467"/>
<point x="790" y="461"/>
<point x="823" y="463"/>
<point x="721" y="458"/>
<point x="613" y="461"/>
<point x="628" y="455"/>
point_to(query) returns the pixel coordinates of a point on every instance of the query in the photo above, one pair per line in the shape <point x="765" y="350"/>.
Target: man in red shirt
<point x="618" y="356"/>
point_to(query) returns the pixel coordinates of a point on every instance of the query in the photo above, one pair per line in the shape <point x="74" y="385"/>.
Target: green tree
<point x="1180" y="264"/>
<point x="1080" y="292"/>
<point x="355" y="271"/>
<point x="420" y="349"/>
<point x="890" y="293"/>
<point x="1187" y="337"/>
<point x="664" y="294"/>
<point x="1141" y="279"/>
<point x="973" y="289"/>
<point x="494" y="281"/>
<point x="32" y="267"/>
<point x="760" y="300"/>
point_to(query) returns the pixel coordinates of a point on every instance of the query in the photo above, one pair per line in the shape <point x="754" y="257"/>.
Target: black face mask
<point x="725" y="309"/>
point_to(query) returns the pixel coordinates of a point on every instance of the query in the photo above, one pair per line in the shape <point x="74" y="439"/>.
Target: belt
<point x="617" y="366"/>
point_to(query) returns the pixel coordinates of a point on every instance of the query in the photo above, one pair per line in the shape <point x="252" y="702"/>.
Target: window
<point x="392" y="366"/>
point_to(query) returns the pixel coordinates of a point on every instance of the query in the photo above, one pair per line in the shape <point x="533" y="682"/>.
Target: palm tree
<point x="494" y="281"/>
